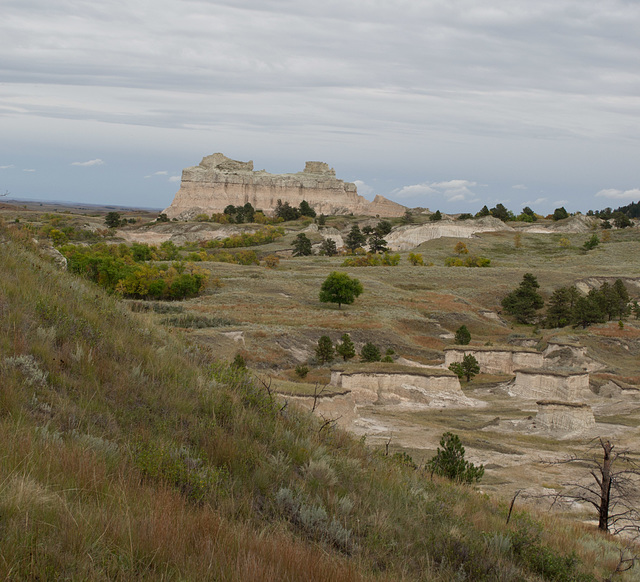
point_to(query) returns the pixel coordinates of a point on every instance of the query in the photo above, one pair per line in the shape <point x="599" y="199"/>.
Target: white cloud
<point x="96" y="162"/>
<point x="28" y="170"/>
<point x="561" y="202"/>
<point x="414" y="190"/>
<point x="363" y="189"/>
<point x="519" y="187"/>
<point x="174" y="178"/>
<point x="161" y="173"/>
<point x="7" y="167"/>
<point x="619" y="194"/>
<point x="450" y="190"/>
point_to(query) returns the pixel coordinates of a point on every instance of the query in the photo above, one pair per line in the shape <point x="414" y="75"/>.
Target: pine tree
<point x="328" y="247"/>
<point x="346" y="349"/>
<point x="524" y="301"/>
<point x="370" y="353"/>
<point x="324" y="350"/>
<point x="449" y="461"/>
<point x="463" y="336"/>
<point x="302" y="246"/>
<point x="355" y="239"/>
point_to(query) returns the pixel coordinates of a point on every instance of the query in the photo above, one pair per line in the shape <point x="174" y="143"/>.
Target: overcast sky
<point x="447" y="104"/>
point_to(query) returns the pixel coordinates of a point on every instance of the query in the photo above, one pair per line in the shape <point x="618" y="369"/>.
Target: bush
<point x="271" y="261"/>
<point x="416" y="259"/>
<point x="592" y="243"/>
<point x="302" y="371"/>
<point x="370" y="353"/>
<point x="449" y="461"/>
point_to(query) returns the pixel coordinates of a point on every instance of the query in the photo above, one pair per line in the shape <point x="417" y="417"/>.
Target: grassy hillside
<point x="129" y="454"/>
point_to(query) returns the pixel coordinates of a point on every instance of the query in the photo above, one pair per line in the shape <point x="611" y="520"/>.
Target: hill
<point x="131" y="453"/>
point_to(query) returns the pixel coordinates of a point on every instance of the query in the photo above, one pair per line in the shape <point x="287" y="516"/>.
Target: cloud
<point x="161" y="173"/>
<point x="363" y="189"/>
<point x="619" y="194"/>
<point x="174" y="178"/>
<point x="7" y="167"/>
<point x="519" y="187"/>
<point x="96" y="162"/>
<point x="28" y="170"/>
<point x="450" y="190"/>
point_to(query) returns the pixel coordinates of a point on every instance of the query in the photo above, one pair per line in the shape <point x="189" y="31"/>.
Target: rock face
<point x="496" y="360"/>
<point x="425" y="386"/>
<point x="562" y="385"/>
<point x="409" y="237"/>
<point x="565" y="416"/>
<point x="219" y="181"/>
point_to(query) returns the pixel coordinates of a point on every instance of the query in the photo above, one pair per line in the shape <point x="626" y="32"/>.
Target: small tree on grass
<point x="370" y="353"/>
<point x="328" y="247"/>
<point x="592" y="243"/>
<point x="416" y="259"/>
<point x="346" y="349"/>
<point x="324" y="350"/>
<point x="463" y="336"/>
<point x="302" y="246"/>
<point x="113" y="219"/>
<point x="340" y="288"/>
<point x="449" y="461"/>
<point x="468" y="368"/>
<point x="524" y="301"/>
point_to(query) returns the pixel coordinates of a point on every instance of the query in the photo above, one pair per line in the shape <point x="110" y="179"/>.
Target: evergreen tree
<point x="112" y="219"/>
<point x="355" y="239"/>
<point x="324" y="350"/>
<point x="470" y="366"/>
<point x="523" y="302"/>
<point x="328" y="247"/>
<point x="383" y="227"/>
<point x="560" y="213"/>
<point x="370" y="353"/>
<point x="463" y="336"/>
<point x="589" y="310"/>
<point x="449" y="461"/>
<point x="622" y="299"/>
<point x="377" y="244"/>
<point x="285" y="211"/>
<point x="500" y="211"/>
<point x="322" y="220"/>
<point x="592" y="243"/>
<point x="484" y="211"/>
<point x="305" y="210"/>
<point x="346" y="349"/>
<point x="561" y="307"/>
<point x="302" y="246"/>
<point x="248" y="212"/>
<point x="437" y="215"/>
<point x="407" y="218"/>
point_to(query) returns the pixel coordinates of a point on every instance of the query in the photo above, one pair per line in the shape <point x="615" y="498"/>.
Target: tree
<point x="305" y="210"/>
<point x="285" y="211"/>
<point x="588" y="310"/>
<point x="370" y="353"/>
<point x="614" y="478"/>
<point x="437" y="215"/>
<point x="377" y="244"/>
<point x="449" y="461"/>
<point x="328" y="247"/>
<point x="500" y="211"/>
<point x="561" y="307"/>
<point x="355" y="239"/>
<point x="592" y="243"/>
<point x="407" y="217"/>
<point x="484" y="211"/>
<point x="340" y="288"/>
<point x="324" y="350"/>
<point x="346" y="349"/>
<point x="302" y="246"/>
<point x="461" y="248"/>
<point x="463" y="336"/>
<point x="248" y="212"/>
<point x="415" y="259"/>
<point x="530" y="213"/>
<point x="112" y="219"/>
<point x="321" y="220"/>
<point x="560" y="213"/>
<point x="383" y="227"/>
<point x="621" y="220"/>
<point x="523" y="302"/>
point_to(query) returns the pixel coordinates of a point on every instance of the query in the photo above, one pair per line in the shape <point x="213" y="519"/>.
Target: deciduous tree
<point x="340" y="288"/>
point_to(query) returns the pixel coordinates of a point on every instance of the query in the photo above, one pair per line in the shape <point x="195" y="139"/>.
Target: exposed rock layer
<point x="551" y="384"/>
<point x="219" y="181"/>
<point x="565" y="416"/>
<point x="496" y="360"/>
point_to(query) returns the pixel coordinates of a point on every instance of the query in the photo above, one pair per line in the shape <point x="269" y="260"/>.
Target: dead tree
<point x="613" y="488"/>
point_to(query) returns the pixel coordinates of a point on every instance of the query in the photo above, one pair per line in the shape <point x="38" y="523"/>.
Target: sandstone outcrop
<point x="496" y="359"/>
<point x="565" y="417"/>
<point x="542" y="383"/>
<point x="407" y="238"/>
<point x="396" y="384"/>
<point x="219" y="181"/>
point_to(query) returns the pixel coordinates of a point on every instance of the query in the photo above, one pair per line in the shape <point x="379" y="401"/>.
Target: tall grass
<point x="131" y="455"/>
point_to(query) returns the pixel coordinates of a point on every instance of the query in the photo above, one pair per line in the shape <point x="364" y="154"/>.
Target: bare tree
<point x="612" y="488"/>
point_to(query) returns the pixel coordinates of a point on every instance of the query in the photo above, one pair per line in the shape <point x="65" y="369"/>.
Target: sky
<point x="442" y="104"/>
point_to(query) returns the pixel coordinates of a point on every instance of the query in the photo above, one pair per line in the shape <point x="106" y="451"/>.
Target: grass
<point x="132" y="454"/>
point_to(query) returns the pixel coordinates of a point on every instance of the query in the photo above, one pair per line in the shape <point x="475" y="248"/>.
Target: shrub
<point x="449" y="461"/>
<point x="271" y="261"/>
<point x="416" y="259"/>
<point x="302" y="371"/>
<point x="592" y="243"/>
<point x="370" y="353"/>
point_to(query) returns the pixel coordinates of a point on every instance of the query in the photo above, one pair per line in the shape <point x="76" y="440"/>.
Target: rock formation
<point x="563" y="385"/>
<point x="409" y="237"/>
<point x="565" y="416"/>
<point x="219" y="181"/>
<point x="496" y="359"/>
